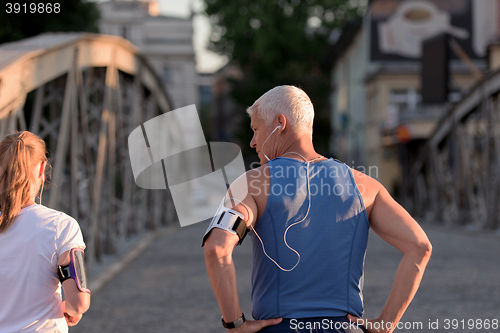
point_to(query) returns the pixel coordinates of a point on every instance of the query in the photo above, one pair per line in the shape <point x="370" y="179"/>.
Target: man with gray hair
<point x="308" y="217"/>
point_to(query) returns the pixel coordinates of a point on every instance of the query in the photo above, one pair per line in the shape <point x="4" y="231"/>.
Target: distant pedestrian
<point x="39" y="246"/>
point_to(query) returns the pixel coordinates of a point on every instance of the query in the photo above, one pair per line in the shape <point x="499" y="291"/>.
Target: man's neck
<point x="300" y="149"/>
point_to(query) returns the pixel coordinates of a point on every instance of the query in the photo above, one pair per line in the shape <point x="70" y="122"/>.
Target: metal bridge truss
<point x="83" y="94"/>
<point x="456" y="177"/>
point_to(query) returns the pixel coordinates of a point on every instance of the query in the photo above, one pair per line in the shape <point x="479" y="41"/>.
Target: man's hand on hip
<point x="372" y="325"/>
<point x="252" y="326"/>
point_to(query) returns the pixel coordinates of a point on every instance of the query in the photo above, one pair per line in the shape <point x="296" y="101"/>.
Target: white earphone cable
<point x="291" y="225"/>
<point x="41" y="191"/>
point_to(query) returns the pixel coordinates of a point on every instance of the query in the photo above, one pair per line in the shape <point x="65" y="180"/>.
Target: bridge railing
<point x="456" y="177"/>
<point x="83" y="94"/>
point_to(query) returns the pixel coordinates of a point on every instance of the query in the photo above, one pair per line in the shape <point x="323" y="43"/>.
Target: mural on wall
<point x="398" y="27"/>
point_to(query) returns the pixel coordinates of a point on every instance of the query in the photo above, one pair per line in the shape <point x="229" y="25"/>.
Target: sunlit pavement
<point x="166" y="288"/>
<point x="462" y="281"/>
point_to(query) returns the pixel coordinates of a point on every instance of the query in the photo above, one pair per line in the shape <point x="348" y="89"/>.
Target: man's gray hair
<point x="292" y="102"/>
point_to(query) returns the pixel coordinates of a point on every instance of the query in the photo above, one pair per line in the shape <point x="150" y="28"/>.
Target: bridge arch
<point x="84" y="93"/>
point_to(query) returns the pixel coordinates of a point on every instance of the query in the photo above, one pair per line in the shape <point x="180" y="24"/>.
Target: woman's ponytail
<point x="20" y="153"/>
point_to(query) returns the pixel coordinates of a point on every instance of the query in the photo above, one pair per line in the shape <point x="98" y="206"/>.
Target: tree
<point x="279" y="42"/>
<point x="74" y="15"/>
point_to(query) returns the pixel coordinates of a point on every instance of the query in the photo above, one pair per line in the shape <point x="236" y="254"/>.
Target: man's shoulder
<point x="253" y="181"/>
<point x="256" y="173"/>
<point x="368" y="187"/>
<point x="249" y="180"/>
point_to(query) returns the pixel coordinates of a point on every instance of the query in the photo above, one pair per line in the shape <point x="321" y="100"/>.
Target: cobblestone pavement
<point x="166" y="288"/>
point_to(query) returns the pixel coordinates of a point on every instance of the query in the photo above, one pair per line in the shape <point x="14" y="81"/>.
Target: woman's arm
<point x="76" y="302"/>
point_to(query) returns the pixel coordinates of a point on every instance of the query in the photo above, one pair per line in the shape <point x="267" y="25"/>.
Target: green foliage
<point x="75" y="15"/>
<point x="278" y="42"/>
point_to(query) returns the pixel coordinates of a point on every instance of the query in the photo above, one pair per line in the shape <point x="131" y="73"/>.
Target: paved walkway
<point x="166" y="288"/>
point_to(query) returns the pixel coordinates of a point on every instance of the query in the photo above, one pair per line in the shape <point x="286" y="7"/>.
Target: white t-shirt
<point x="30" y="292"/>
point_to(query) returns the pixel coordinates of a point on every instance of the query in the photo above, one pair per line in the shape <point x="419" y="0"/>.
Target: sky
<point x="206" y="61"/>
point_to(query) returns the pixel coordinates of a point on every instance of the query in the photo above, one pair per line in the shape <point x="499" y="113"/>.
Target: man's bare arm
<point x="393" y="224"/>
<point x="221" y="272"/>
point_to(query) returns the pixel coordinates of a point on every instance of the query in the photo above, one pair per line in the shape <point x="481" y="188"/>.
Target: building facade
<point x="167" y="43"/>
<point x="381" y="114"/>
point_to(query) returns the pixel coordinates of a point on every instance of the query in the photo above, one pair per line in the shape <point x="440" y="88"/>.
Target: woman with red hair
<point x="36" y="243"/>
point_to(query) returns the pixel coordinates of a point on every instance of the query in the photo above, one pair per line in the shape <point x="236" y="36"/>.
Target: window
<point x="166" y="75"/>
<point x="406" y="100"/>
<point x="125" y="32"/>
<point x="401" y="102"/>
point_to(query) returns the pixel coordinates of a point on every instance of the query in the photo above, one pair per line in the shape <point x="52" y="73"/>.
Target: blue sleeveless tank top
<point x="331" y="241"/>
